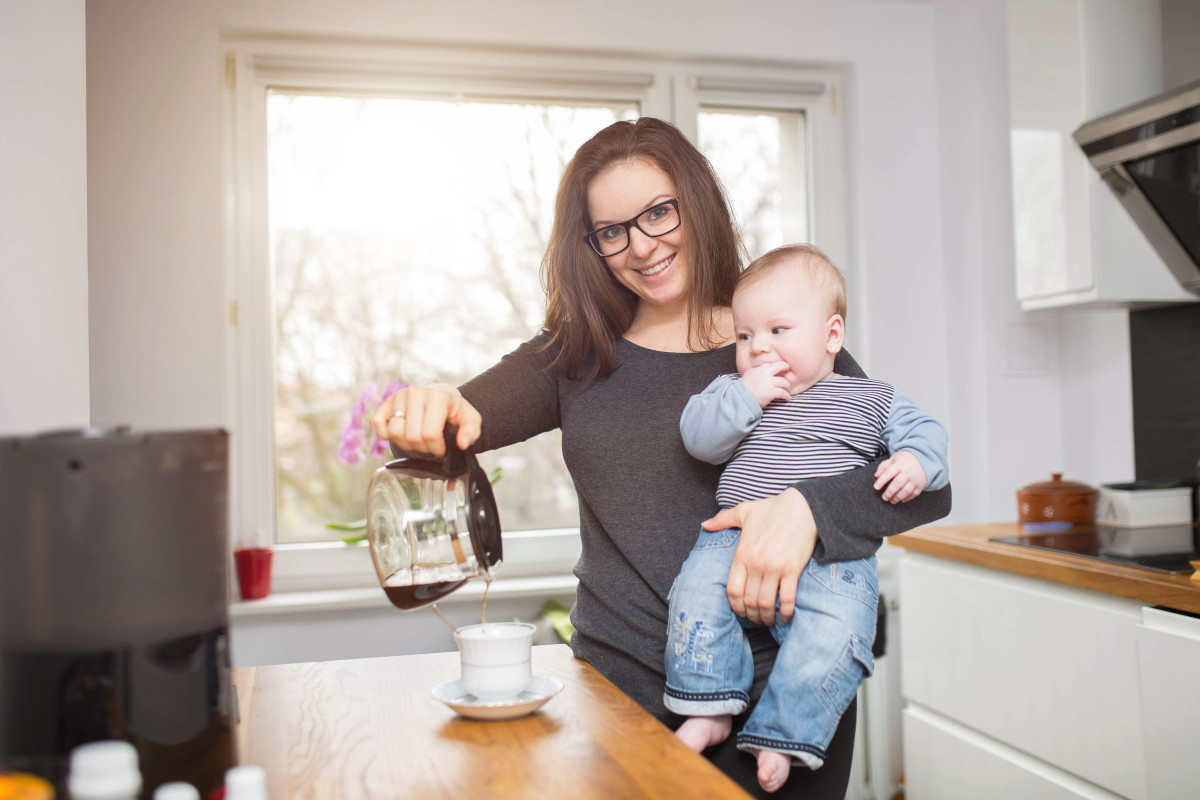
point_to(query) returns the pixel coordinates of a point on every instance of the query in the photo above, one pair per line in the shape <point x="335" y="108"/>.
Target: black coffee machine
<point x="114" y="601"/>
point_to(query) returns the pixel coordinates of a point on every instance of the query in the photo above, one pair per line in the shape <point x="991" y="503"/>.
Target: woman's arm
<point x="512" y="401"/>
<point x="517" y="398"/>
<point x="851" y="518"/>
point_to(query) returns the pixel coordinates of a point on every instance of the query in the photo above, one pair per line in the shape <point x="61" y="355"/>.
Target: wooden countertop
<point x="369" y="728"/>
<point x="971" y="544"/>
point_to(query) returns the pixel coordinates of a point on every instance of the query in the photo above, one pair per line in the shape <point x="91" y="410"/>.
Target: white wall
<point x="43" y="217"/>
<point x="995" y="420"/>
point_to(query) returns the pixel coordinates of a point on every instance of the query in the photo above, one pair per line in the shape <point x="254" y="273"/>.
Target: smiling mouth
<point x="650" y="272"/>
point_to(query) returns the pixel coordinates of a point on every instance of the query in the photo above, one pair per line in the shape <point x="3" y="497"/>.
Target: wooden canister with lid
<point x="1057" y="500"/>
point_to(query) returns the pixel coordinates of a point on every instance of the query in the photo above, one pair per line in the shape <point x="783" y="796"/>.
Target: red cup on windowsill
<point x="254" y="571"/>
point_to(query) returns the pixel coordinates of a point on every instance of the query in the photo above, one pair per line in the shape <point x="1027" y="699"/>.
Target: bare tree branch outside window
<point x="759" y="156"/>
<point x="405" y="240"/>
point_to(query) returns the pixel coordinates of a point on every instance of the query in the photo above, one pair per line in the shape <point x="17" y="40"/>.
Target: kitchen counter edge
<point x="971" y="544"/>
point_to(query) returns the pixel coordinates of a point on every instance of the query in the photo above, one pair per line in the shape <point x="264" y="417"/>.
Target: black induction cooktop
<point x="1168" y="548"/>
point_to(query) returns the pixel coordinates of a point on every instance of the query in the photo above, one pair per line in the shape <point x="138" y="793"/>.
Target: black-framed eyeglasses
<point x="655" y="221"/>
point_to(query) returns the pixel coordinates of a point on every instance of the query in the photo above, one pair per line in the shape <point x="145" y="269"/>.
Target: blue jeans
<point x="824" y="651"/>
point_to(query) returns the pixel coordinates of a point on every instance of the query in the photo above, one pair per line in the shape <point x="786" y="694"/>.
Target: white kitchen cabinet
<point x="958" y="763"/>
<point x="1074" y="245"/>
<point x="1036" y="673"/>
<point x="1169" y="647"/>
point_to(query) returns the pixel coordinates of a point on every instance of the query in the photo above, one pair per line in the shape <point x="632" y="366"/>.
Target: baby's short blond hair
<point x="815" y="266"/>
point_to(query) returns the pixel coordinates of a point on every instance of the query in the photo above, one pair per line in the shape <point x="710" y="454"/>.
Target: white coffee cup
<point x="495" y="658"/>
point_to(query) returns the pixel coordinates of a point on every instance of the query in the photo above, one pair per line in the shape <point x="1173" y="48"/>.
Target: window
<point x="388" y="209"/>
<point x="402" y="248"/>
<point x="759" y="155"/>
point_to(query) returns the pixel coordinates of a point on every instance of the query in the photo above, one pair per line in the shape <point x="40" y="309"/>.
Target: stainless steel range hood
<point x="1149" y="155"/>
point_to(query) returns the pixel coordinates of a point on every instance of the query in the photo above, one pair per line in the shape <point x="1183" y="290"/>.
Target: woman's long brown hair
<point x="587" y="310"/>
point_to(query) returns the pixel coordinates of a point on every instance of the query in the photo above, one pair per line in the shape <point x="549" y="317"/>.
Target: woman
<point x="639" y="274"/>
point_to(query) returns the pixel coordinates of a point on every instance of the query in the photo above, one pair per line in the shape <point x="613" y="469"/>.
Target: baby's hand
<point x="903" y="476"/>
<point x="765" y="383"/>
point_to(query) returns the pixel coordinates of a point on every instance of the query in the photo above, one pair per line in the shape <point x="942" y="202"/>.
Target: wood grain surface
<point x="369" y="729"/>
<point x="972" y="544"/>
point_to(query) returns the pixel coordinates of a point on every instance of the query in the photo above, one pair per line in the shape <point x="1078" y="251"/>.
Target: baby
<point x="784" y="418"/>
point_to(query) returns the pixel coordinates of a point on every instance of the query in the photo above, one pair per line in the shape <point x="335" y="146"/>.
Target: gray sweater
<point x="642" y="496"/>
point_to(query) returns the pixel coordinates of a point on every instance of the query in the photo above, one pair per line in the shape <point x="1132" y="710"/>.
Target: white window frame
<point x="670" y="89"/>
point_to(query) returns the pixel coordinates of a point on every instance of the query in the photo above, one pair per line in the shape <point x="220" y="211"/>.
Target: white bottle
<point x="246" y="782"/>
<point x="104" y="771"/>
<point x="177" y="791"/>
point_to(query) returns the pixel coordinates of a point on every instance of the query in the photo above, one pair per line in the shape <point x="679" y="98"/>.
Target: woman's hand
<point x="415" y="419"/>
<point x="778" y="537"/>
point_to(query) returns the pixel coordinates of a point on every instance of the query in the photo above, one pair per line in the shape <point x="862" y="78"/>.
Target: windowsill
<point x="333" y="576"/>
<point x="373" y="598"/>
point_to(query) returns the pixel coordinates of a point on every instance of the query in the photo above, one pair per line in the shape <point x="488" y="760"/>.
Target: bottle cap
<point x="104" y="771"/>
<point x="246" y="782"/>
<point x="176" y="791"/>
<point x="24" y="786"/>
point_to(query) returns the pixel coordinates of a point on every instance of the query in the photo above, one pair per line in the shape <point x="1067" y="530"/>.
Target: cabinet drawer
<point x="944" y="761"/>
<point x="1048" y="670"/>
<point x="1170" y="660"/>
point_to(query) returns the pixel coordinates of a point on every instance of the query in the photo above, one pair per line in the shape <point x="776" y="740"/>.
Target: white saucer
<point x="453" y="694"/>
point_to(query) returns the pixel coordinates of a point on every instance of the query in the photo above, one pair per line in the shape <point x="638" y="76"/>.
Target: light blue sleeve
<point x="715" y="421"/>
<point x="909" y="428"/>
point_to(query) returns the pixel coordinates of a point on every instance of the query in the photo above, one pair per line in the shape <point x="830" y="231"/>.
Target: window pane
<point x="405" y="245"/>
<point x="760" y="157"/>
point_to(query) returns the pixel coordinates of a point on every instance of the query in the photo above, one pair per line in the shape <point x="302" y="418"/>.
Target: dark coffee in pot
<point x="410" y="597"/>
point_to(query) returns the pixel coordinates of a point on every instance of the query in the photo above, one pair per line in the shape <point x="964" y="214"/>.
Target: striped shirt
<point x="831" y="428"/>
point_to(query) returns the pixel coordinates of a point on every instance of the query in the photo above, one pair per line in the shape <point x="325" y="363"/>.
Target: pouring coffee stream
<point x="482" y="614"/>
<point x="432" y="524"/>
<point x="442" y="617"/>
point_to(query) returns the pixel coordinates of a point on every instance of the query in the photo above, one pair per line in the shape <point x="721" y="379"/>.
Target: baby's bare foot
<point x="773" y="769"/>
<point x="700" y="733"/>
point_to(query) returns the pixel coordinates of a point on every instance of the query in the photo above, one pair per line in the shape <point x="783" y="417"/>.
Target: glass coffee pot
<point x="432" y="524"/>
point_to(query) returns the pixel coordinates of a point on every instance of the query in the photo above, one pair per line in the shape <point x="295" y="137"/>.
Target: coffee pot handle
<point x="455" y="462"/>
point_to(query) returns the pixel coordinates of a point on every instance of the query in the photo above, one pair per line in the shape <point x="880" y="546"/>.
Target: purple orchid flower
<point x="352" y="449"/>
